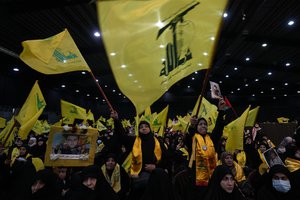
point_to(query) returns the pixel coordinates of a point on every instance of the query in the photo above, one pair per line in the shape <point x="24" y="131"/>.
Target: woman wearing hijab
<point x="148" y="153"/>
<point x="222" y="186"/>
<point x="279" y="185"/>
<point x="202" y="147"/>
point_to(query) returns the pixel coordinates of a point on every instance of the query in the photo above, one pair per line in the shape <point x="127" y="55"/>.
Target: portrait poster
<point x="73" y="148"/>
<point x="271" y="157"/>
<point x="215" y="90"/>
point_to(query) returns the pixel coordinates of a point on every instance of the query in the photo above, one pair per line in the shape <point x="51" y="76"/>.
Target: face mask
<point x="281" y="185"/>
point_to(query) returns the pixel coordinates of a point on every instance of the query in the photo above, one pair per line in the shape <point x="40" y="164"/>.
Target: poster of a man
<point x="272" y="158"/>
<point x="73" y="144"/>
<point x="215" y="90"/>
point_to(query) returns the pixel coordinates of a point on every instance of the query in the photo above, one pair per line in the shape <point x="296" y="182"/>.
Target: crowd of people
<point x="190" y="166"/>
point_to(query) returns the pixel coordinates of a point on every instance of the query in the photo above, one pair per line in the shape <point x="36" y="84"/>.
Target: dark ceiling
<point x="249" y="24"/>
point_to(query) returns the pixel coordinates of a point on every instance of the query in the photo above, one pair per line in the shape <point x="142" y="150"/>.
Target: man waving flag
<point x="153" y="44"/>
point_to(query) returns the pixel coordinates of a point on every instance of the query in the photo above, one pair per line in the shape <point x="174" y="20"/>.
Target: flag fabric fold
<point x="153" y="44"/>
<point x="54" y="55"/>
<point x="72" y="111"/>
<point x="31" y="110"/>
<point x="252" y="115"/>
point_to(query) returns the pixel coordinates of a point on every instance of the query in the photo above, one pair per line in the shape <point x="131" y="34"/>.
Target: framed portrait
<point x="71" y="148"/>
<point x="215" y="90"/>
<point x="271" y="157"/>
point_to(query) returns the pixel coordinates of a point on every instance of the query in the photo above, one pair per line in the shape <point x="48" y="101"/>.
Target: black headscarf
<point x="215" y="191"/>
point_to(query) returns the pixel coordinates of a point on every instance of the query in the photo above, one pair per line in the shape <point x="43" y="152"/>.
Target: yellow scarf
<point x="239" y="173"/>
<point x="137" y="161"/>
<point x="292" y="164"/>
<point x="203" y="152"/>
<point x="263" y="167"/>
<point x="115" y="179"/>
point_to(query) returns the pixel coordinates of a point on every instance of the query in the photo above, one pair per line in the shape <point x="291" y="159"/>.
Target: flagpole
<point x="204" y="84"/>
<point x="102" y="92"/>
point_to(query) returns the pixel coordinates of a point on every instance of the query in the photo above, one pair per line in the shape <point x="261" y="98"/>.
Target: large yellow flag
<point x="208" y="111"/>
<point x="31" y="110"/>
<point x="252" y="115"/>
<point x="53" y="55"/>
<point x="7" y="134"/>
<point x="153" y="44"/>
<point x="71" y="111"/>
<point x="234" y="132"/>
<point x="2" y="122"/>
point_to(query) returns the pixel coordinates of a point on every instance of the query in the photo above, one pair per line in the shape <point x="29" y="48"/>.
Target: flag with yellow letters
<point x="153" y="44"/>
<point x="31" y="110"/>
<point x="252" y="115"/>
<point x="234" y="131"/>
<point x="72" y="111"/>
<point x="54" y="55"/>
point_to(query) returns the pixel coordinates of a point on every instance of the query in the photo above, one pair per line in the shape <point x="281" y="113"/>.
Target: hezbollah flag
<point x="160" y="120"/>
<point x="54" y="55"/>
<point x="234" y="131"/>
<point x="7" y="134"/>
<point x="208" y="111"/>
<point x="252" y="115"/>
<point x="283" y="120"/>
<point x="31" y="110"/>
<point x="153" y="44"/>
<point x="72" y="111"/>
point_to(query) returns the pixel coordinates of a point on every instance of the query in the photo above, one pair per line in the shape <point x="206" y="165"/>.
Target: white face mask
<point x="281" y="185"/>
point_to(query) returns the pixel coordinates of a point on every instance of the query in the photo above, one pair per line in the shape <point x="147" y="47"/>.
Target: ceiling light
<point x="220" y="82"/>
<point x="103" y="100"/>
<point x="286" y="84"/>
<point x="264" y="45"/>
<point x="88" y="95"/>
<point x="105" y="85"/>
<point x="246" y="85"/>
<point x="256" y="79"/>
<point x="235" y="68"/>
<point x="96" y="97"/>
<point x="298" y="91"/>
<point x="287" y="64"/>
<point x="16" y="69"/>
<point x="97" y="34"/>
<point x="272" y="88"/>
<point x="253" y="95"/>
<point x="82" y="72"/>
<point x="97" y="80"/>
<point x="63" y="86"/>
<point x="77" y="91"/>
<point x="290" y="23"/>
<point x="114" y="90"/>
<point x="120" y="94"/>
<point x="232" y="92"/>
<point x="262" y="92"/>
<point x="196" y="72"/>
<point x="189" y="86"/>
<point x="285" y="95"/>
<point x="247" y="59"/>
<point x="239" y="89"/>
<point x="124" y="97"/>
<point x="123" y="66"/>
<point x="227" y="76"/>
<point x="274" y="97"/>
<point x="193" y="78"/>
<point x="112" y="54"/>
<point x="269" y="73"/>
<point x="225" y="15"/>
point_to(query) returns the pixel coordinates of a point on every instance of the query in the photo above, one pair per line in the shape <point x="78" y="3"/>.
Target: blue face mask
<point x="281" y="185"/>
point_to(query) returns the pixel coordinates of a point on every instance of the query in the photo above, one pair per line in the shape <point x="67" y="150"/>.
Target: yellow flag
<point x="54" y="55"/>
<point x="7" y="134"/>
<point x="153" y="44"/>
<point x="252" y="115"/>
<point x="100" y="126"/>
<point x="2" y="122"/>
<point x="234" y="132"/>
<point x="283" y="120"/>
<point x="41" y="127"/>
<point x="31" y="110"/>
<point x="72" y="111"/>
<point x="208" y="111"/>
<point x="90" y="116"/>
<point x="160" y="120"/>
